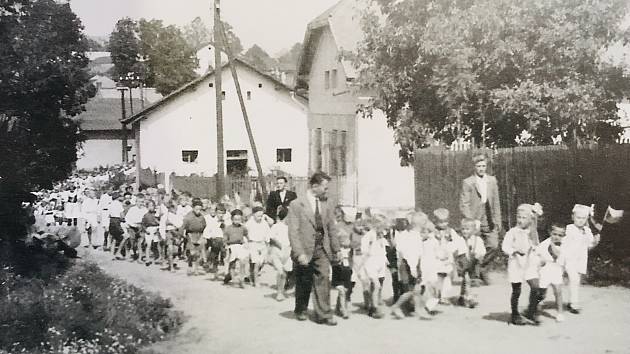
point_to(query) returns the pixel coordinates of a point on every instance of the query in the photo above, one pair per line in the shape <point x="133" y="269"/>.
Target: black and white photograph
<point x="314" y="176"/>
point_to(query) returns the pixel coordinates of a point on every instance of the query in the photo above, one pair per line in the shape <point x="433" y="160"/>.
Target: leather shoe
<point x="328" y="322"/>
<point x="301" y="316"/>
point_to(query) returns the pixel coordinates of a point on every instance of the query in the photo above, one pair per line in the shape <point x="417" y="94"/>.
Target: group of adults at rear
<point x="315" y="245"/>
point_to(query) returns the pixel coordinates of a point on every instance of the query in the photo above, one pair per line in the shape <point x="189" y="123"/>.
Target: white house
<point x="205" y="55"/>
<point x="360" y="152"/>
<point x="178" y="133"/>
<point x="100" y="123"/>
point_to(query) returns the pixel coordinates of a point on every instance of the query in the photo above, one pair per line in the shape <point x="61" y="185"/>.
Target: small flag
<point x="613" y="216"/>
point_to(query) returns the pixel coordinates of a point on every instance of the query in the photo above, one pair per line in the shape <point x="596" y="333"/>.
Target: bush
<point x="81" y="310"/>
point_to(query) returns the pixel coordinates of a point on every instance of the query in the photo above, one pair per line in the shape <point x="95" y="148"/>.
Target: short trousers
<point x="341" y="276"/>
<point x="115" y="229"/>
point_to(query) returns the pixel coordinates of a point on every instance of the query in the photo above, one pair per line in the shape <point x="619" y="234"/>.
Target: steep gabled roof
<point x="193" y="84"/>
<point x="344" y="22"/>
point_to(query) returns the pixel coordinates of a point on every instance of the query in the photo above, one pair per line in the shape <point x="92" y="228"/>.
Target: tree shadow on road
<point x="498" y="316"/>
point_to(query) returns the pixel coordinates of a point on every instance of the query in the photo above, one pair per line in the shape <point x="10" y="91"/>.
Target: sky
<point x="274" y="25"/>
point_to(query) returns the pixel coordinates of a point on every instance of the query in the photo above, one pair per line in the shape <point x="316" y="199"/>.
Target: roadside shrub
<point x="81" y="310"/>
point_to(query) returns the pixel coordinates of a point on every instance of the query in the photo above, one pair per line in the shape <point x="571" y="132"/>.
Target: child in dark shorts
<point x="342" y="271"/>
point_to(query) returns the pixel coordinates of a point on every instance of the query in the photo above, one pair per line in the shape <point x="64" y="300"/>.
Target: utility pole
<point x="131" y="99"/>
<point x="124" y="126"/>
<point x="218" y="100"/>
<point x="261" y="178"/>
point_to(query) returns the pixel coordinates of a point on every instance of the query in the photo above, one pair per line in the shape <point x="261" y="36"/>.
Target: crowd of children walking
<point x="423" y="254"/>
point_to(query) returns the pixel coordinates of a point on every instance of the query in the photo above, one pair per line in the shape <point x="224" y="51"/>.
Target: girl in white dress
<point x="519" y="244"/>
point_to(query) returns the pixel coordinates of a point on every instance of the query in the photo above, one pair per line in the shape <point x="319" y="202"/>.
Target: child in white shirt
<point x="374" y="264"/>
<point x="552" y="265"/>
<point x="578" y="241"/>
<point x="450" y="243"/>
<point x="409" y="248"/>
<point x="280" y="252"/>
<point x="259" y="233"/>
<point x="470" y="255"/>
<point x="133" y="225"/>
<point x="89" y="213"/>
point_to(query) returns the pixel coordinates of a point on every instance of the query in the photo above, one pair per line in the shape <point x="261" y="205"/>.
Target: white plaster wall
<point x="382" y="182"/>
<point x="101" y="152"/>
<point x="188" y="123"/>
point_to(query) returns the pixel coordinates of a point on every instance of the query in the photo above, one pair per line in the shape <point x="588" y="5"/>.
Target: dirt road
<point x="230" y="320"/>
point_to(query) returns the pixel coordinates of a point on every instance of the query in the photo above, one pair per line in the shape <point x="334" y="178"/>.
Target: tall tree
<point x="124" y="46"/>
<point x="259" y="58"/>
<point x="291" y="57"/>
<point x="529" y="71"/>
<point x="43" y="83"/>
<point x="197" y="34"/>
<point x="233" y="41"/>
<point x="170" y="60"/>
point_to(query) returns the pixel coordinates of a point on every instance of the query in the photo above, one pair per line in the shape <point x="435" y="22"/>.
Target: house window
<point x="332" y="146"/>
<point x="343" y="146"/>
<point x="283" y="155"/>
<point x="211" y="84"/>
<point x="259" y="85"/>
<point x="236" y="162"/>
<point x="317" y="149"/>
<point x="190" y="155"/>
<point x="333" y="79"/>
<point x="249" y="95"/>
<point x="223" y="95"/>
<point x="326" y="79"/>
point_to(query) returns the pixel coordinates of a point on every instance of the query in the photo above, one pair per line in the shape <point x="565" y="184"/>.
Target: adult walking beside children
<point x="314" y="245"/>
<point x="479" y="200"/>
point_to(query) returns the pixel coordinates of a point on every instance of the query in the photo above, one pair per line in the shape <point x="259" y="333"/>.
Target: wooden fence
<point x="246" y="187"/>
<point x="555" y="176"/>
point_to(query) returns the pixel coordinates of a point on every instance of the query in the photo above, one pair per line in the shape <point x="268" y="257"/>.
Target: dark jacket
<point x="274" y="201"/>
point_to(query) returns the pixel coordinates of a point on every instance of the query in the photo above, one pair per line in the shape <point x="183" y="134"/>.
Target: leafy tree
<point x="259" y="58"/>
<point x="291" y="57"/>
<point x="233" y="42"/>
<point x="170" y="60"/>
<point x="124" y="46"/>
<point x="43" y="83"/>
<point x="95" y="46"/>
<point x="197" y="34"/>
<point x="528" y="71"/>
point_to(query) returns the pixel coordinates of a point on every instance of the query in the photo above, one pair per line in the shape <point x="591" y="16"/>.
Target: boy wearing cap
<point x="258" y="234"/>
<point x="575" y="246"/>
<point x="193" y="226"/>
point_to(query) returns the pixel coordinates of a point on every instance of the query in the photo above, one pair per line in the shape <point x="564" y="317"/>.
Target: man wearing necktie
<point x="479" y="201"/>
<point x="314" y="245"/>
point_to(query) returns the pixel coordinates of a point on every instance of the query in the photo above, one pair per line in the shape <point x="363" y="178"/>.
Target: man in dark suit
<point x="281" y="196"/>
<point x="314" y="245"/>
<point x="479" y="200"/>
